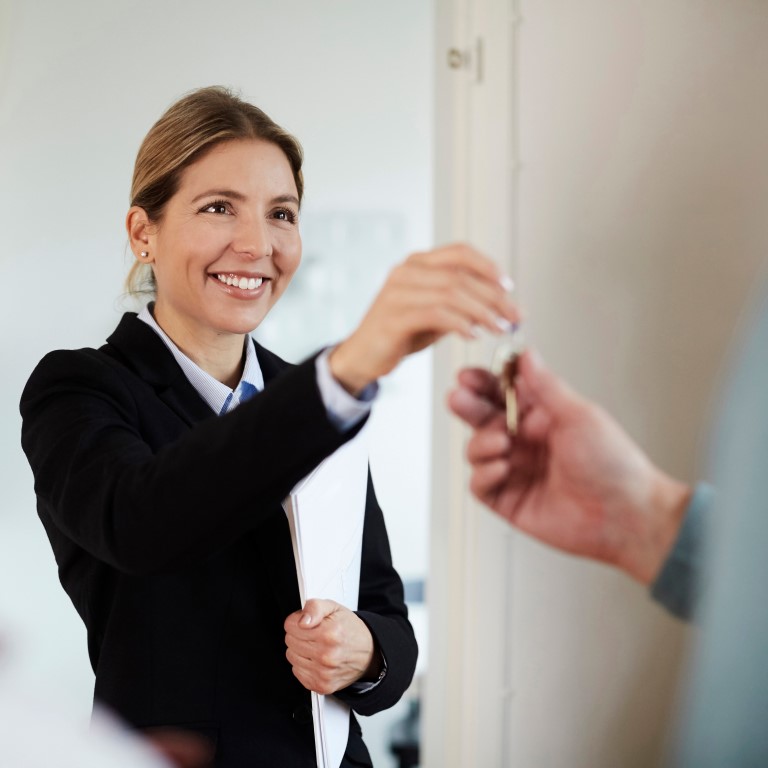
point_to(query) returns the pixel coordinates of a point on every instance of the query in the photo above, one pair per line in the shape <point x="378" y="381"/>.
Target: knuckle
<point x="475" y="486"/>
<point x="450" y="291"/>
<point x="414" y="256"/>
<point x="328" y="659"/>
<point x="464" y="248"/>
<point x="399" y="273"/>
<point x="433" y="316"/>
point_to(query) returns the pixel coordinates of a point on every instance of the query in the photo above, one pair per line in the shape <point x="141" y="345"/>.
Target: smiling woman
<point x="166" y="521"/>
<point x="226" y="249"/>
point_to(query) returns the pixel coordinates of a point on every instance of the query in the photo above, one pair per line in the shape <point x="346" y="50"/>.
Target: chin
<point x="241" y="319"/>
<point x="240" y="326"/>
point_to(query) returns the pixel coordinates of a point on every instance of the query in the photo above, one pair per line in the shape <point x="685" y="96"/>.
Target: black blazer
<point x="170" y="539"/>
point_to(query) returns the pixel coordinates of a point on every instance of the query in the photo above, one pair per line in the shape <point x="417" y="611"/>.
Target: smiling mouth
<point x="244" y="283"/>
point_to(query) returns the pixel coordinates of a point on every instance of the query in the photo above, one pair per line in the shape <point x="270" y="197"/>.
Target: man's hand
<point x="571" y="477"/>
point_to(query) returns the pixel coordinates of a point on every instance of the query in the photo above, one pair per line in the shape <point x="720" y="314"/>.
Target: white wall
<point x="80" y="84"/>
<point x="643" y="222"/>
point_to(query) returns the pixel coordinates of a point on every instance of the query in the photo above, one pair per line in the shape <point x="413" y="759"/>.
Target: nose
<point x="253" y="238"/>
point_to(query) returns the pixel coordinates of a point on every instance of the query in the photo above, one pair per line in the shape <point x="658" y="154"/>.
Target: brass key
<point x="505" y="367"/>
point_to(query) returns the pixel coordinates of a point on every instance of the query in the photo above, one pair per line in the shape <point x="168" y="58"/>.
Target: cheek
<point x="296" y="261"/>
<point x="291" y="258"/>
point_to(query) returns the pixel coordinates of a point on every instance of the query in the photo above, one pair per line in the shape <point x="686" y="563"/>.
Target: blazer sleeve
<point x="381" y="605"/>
<point x="142" y="508"/>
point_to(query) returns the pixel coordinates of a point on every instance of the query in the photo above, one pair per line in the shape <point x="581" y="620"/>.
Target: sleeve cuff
<point x="344" y="410"/>
<point x="369" y="685"/>
<point x="677" y="587"/>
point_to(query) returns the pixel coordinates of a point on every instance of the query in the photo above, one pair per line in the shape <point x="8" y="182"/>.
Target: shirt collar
<point x="219" y="397"/>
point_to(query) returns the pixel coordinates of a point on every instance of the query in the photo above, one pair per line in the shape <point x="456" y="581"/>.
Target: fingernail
<point x="507" y="283"/>
<point x="305" y="620"/>
<point x="474" y="331"/>
<point x="505" y="325"/>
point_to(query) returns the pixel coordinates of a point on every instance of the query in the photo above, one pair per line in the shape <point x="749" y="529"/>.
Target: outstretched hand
<point x="453" y="289"/>
<point x="571" y="476"/>
<point x="329" y="647"/>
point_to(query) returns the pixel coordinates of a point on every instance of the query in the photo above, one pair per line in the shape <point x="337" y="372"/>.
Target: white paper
<point x="326" y="512"/>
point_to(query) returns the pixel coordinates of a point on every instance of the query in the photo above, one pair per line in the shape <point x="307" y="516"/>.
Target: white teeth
<point x="245" y="283"/>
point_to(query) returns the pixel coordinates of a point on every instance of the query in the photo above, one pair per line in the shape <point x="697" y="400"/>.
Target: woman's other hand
<point x="453" y="289"/>
<point x="329" y="647"/>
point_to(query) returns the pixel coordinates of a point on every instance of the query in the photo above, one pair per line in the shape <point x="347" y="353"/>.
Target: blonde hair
<point x="192" y="126"/>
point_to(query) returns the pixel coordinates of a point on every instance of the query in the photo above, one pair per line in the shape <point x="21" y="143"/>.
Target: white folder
<point x="326" y="511"/>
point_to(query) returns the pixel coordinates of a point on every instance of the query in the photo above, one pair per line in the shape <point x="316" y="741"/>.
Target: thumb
<point x="546" y="389"/>
<point x="315" y="611"/>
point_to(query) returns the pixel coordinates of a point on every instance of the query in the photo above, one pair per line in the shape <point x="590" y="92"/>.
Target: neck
<point x="221" y="355"/>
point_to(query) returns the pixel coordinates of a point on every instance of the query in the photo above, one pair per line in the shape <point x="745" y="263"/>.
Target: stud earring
<point x="144" y="254"/>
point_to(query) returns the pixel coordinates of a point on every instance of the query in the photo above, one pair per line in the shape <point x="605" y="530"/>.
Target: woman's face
<point x="228" y="243"/>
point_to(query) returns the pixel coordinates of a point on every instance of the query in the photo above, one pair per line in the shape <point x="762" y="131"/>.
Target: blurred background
<point x="613" y="156"/>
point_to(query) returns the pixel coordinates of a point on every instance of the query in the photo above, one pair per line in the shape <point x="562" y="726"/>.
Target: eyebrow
<point x="234" y="195"/>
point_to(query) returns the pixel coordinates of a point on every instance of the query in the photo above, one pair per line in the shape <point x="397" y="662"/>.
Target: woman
<point x="166" y="521"/>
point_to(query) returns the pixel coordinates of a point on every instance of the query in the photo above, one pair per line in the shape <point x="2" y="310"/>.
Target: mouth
<point x="243" y="282"/>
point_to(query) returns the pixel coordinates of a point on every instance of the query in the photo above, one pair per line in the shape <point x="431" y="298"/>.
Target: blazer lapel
<point x="271" y="365"/>
<point x="141" y="350"/>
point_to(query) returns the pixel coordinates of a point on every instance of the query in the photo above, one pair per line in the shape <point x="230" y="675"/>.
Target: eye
<point x="285" y="214"/>
<point x="219" y="207"/>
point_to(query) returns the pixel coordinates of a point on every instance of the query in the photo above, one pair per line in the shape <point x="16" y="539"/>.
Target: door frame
<point x="469" y="687"/>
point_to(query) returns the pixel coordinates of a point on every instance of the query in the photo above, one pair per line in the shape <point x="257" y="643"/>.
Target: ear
<point x="140" y="234"/>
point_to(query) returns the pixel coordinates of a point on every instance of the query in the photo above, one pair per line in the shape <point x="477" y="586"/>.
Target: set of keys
<point x="505" y="366"/>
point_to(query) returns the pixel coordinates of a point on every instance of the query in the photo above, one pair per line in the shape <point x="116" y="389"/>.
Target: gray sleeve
<point x="677" y="587"/>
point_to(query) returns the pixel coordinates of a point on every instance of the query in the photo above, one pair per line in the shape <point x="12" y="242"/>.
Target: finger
<point x="464" y="257"/>
<point x="475" y="411"/>
<point x="451" y="285"/>
<point x="487" y="479"/>
<point x="429" y="304"/>
<point x="535" y="425"/>
<point x="489" y="445"/>
<point x="427" y="319"/>
<point x="315" y="611"/>
<point x="301" y="648"/>
<point x="322" y="674"/>
<point x="299" y="660"/>
<point x="482" y="382"/>
<point x="306" y="673"/>
<point x="319" y="682"/>
<point x="542" y="386"/>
